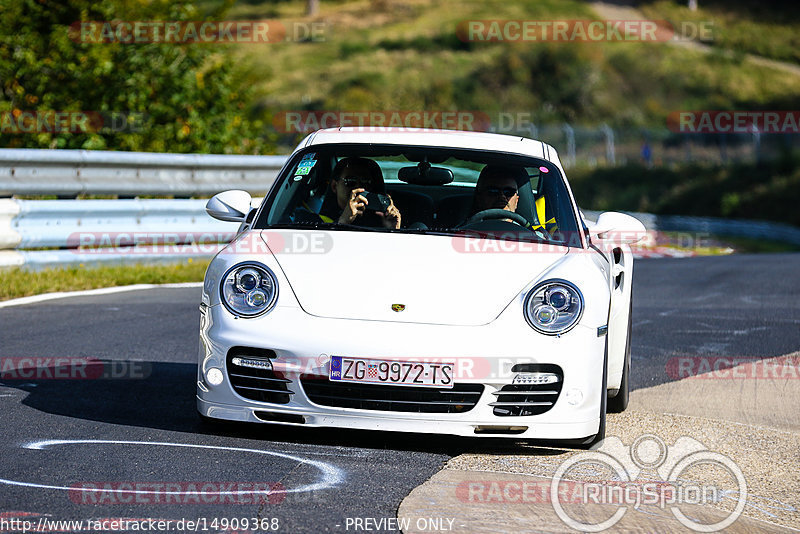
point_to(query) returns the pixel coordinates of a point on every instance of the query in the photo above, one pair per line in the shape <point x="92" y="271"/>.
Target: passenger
<point x="351" y="177"/>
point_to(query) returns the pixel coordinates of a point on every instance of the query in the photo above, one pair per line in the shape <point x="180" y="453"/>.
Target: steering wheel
<point x="496" y="213"/>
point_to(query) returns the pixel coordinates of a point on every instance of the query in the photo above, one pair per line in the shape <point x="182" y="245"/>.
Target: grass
<point x="748" y="26"/>
<point x="16" y="283"/>
<point x="714" y="245"/>
<point x="760" y="246"/>
<point x="768" y="191"/>
<point x="385" y="55"/>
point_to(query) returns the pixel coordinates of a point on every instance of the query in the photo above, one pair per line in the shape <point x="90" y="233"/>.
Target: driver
<point x="351" y="177"/>
<point x="497" y="188"/>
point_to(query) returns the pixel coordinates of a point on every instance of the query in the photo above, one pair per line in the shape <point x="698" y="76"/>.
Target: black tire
<point x="619" y="402"/>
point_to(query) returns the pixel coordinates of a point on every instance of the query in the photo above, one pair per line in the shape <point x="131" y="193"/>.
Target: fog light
<point x="214" y="376"/>
<point x="545" y="314"/>
<point x="256" y="298"/>
<point x="574" y="396"/>
<point x="535" y="378"/>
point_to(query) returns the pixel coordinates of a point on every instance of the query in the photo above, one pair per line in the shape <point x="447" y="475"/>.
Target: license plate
<point x="369" y="371"/>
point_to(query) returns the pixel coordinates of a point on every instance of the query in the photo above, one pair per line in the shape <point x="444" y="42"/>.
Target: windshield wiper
<point x="322" y="226"/>
<point x="431" y="231"/>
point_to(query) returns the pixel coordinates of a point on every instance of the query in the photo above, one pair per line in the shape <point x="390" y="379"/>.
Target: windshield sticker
<point x="307" y="163"/>
<point x="544" y="169"/>
<point x="310" y="155"/>
<point x="302" y="171"/>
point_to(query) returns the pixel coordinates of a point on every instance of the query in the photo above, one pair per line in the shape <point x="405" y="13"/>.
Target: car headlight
<point x="553" y="307"/>
<point x="249" y="289"/>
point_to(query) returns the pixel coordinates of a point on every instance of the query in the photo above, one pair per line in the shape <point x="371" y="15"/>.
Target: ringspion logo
<point x="648" y="472"/>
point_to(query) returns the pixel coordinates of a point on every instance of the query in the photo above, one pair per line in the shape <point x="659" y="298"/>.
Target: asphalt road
<point x="739" y="305"/>
<point x="733" y="306"/>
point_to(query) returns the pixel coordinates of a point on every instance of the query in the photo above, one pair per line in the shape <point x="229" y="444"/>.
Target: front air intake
<point x="534" y="391"/>
<point x="251" y="375"/>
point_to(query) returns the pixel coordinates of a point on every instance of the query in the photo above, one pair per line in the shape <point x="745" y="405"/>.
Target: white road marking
<point x="331" y="476"/>
<point x="90" y="292"/>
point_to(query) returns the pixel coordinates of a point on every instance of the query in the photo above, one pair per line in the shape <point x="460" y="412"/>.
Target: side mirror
<point x="230" y="206"/>
<point x="618" y="228"/>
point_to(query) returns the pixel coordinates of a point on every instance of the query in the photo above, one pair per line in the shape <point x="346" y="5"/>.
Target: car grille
<point x="262" y="385"/>
<point x="528" y="399"/>
<point x="461" y="398"/>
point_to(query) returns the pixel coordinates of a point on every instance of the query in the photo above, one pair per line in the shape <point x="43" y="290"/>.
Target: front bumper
<point x="483" y="355"/>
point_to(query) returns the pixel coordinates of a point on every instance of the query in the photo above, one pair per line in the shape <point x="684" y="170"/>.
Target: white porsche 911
<point x="419" y="281"/>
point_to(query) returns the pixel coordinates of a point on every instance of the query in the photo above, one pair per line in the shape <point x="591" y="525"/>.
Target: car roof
<point x="434" y="138"/>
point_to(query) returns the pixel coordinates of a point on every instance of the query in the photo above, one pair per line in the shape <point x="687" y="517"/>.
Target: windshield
<point x="422" y="190"/>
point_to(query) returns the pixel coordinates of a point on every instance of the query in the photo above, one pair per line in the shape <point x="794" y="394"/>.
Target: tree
<point x="187" y="97"/>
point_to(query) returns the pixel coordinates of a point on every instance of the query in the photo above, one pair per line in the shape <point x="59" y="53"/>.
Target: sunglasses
<point x="352" y="183"/>
<point x="507" y="192"/>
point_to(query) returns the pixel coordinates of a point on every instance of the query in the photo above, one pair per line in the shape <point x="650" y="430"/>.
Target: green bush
<point x="770" y="191"/>
<point x="191" y="95"/>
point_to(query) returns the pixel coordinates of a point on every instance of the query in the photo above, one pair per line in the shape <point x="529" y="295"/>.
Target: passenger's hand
<point x="355" y="207"/>
<point x="391" y="217"/>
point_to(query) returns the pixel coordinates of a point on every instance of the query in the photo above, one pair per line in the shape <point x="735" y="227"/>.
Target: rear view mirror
<point x="230" y="206"/>
<point x="424" y="174"/>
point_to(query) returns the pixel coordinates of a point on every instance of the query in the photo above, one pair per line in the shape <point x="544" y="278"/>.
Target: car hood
<point x="438" y="279"/>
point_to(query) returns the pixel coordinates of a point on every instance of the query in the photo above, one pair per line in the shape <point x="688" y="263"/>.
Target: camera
<point x="376" y="201"/>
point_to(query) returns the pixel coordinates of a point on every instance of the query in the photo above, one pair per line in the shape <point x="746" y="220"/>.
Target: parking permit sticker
<point x="310" y="155"/>
<point x="304" y="167"/>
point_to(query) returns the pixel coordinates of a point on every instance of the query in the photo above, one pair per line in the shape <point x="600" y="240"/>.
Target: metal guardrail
<point x="69" y="173"/>
<point x="102" y="231"/>
<point x="767" y="230"/>
<point x="107" y="231"/>
<point x="63" y="223"/>
<point x="70" y="228"/>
